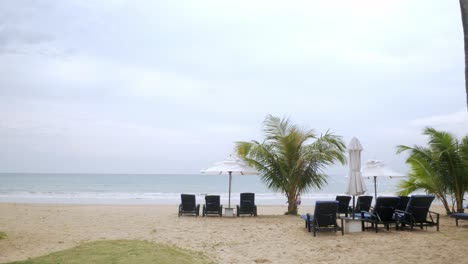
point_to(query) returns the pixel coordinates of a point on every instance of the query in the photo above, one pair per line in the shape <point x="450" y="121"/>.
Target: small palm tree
<point x="290" y="159"/>
<point x="440" y="169"/>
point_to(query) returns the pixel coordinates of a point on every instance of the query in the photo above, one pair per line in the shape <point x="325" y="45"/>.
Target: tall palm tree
<point x="290" y="159"/>
<point x="464" y="16"/>
<point x="440" y="169"/>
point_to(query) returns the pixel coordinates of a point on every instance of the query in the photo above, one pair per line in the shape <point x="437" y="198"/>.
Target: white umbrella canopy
<point x="232" y="165"/>
<point x="356" y="185"/>
<point x="377" y="169"/>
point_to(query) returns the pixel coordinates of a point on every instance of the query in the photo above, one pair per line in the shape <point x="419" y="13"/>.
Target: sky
<point x="169" y="86"/>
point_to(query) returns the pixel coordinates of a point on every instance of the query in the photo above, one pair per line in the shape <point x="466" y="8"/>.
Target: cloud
<point x="456" y="123"/>
<point x="131" y="81"/>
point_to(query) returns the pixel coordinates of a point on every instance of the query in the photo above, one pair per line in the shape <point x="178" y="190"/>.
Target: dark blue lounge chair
<point x="212" y="205"/>
<point x="402" y="203"/>
<point x="324" y="218"/>
<point x="343" y="204"/>
<point x="381" y="213"/>
<point x="459" y="216"/>
<point x="417" y="213"/>
<point x="363" y="203"/>
<point x="189" y="205"/>
<point x="247" y="204"/>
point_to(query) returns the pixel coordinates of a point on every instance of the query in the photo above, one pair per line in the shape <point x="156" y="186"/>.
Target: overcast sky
<point x="169" y="86"/>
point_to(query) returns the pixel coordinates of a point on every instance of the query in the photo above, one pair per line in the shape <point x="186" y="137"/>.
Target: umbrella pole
<point x="230" y="177"/>
<point x="353" y="207"/>
<point x="375" y="187"/>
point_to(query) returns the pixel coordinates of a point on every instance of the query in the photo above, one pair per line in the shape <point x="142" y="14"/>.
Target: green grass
<point x="121" y="251"/>
<point x="3" y="235"/>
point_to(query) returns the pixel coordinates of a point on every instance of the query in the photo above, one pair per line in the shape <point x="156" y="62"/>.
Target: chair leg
<point x="342" y="227"/>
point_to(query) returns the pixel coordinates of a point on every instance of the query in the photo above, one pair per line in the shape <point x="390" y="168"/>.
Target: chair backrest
<point x="363" y="203"/>
<point x="385" y="207"/>
<point x="212" y="202"/>
<point x="247" y="201"/>
<point x="402" y="203"/>
<point x="325" y="213"/>
<point x="343" y="203"/>
<point x="418" y="206"/>
<point x="188" y="201"/>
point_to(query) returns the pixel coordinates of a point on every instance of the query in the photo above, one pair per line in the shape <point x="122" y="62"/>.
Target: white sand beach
<point x="35" y="230"/>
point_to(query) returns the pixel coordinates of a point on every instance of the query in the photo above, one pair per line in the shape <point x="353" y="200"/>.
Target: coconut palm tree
<point x="290" y="159"/>
<point x="423" y="175"/>
<point x="440" y="169"/>
<point x="464" y="16"/>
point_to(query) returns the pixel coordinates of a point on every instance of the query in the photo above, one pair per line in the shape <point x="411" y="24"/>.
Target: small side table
<point x="229" y="212"/>
<point x="352" y="225"/>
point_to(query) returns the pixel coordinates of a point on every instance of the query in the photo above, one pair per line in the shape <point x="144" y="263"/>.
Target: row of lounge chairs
<point x="401" y="211"/>
<point x="213" y="206"/>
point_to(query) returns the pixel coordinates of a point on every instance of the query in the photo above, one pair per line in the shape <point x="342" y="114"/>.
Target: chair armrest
<point x="366" y="212"/>
<point x="437" y="215"/>
<point x="431" y="212"/>
<point x="400" y="213"/>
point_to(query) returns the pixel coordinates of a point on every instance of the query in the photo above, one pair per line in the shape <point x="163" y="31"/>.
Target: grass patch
<point x="121" y="251"/>
<point x="3" y="235"/>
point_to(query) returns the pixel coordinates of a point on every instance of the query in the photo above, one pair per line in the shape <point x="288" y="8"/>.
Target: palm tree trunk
<point x="292" y="205"/>
<point x="459" y="199"/>
<point x="464" y="16"/>
<point x="445" y="203"/>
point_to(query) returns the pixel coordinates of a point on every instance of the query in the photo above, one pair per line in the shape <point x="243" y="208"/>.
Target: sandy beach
<point x="38" y="229"/>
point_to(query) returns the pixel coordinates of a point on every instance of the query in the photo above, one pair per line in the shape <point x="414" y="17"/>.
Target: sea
<point x="70" y="188"/>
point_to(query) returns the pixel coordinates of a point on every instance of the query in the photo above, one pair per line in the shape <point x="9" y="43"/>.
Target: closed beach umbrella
<point x="377" y="169"/>
<point x="356" y="185"/>
<point x="230" y="166"/>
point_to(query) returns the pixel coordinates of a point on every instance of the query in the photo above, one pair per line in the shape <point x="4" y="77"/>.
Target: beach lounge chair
<point x="189" y="205"/>
<point x="343" y="204"/>
<point x="459" y="216"/>
<point x="402" y="203"/>
<point x="363" y="203"/>
<point x="247" y="204"/>
<point x="417" y="213"/>
<point x="212" y="205"/>
<point x="324" y="218"/>
<point x="381" y="213"/>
